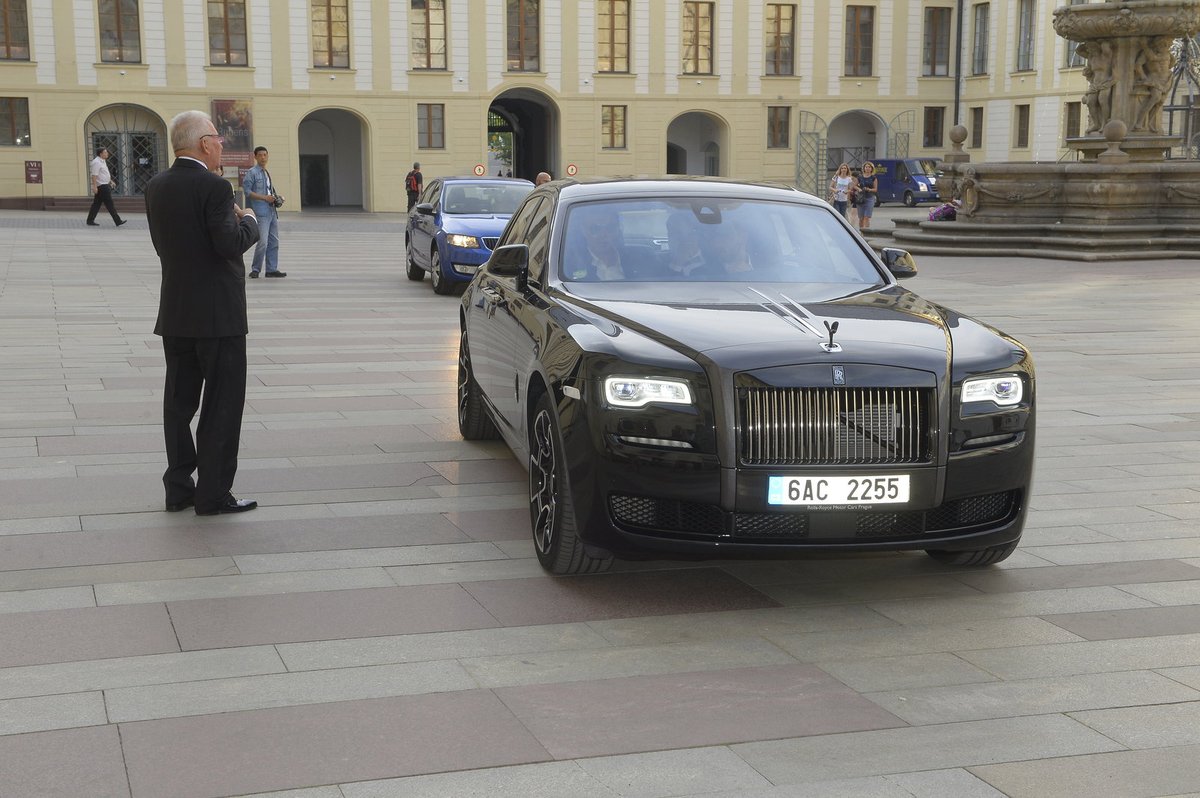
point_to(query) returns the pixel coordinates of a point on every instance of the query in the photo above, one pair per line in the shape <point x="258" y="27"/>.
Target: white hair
<point x="187" y="128"/>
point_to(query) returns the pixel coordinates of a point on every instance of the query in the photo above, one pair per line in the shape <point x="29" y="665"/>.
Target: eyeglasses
<point x="220" y="139"/>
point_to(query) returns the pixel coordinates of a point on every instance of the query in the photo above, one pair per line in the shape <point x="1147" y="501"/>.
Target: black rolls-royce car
<point x="699" y="368"/>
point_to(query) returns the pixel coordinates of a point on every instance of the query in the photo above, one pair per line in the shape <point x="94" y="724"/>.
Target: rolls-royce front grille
<point x="852" y="426"/>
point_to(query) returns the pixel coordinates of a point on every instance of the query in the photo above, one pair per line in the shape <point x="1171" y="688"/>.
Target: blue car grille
<point x="490" y="243"/>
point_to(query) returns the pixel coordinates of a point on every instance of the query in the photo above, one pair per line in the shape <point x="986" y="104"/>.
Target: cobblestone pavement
<point x="379" y="626"/>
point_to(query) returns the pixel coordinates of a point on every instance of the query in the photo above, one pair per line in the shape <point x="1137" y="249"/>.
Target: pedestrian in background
<point x="868" y="188"/>
<point x="262" y="199"/>
<point x="413" y="183"/>
<point x="102" y="186"/>
<point x="542" y="177"/>
<point x="200" y="234"/>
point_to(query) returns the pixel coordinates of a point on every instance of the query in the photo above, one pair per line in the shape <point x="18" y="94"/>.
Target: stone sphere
<point x="1115" y="130"/>
<point x="958" y="134"/>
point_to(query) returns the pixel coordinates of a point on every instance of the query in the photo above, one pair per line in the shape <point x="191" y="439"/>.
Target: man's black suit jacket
<point x="200" y="241"/>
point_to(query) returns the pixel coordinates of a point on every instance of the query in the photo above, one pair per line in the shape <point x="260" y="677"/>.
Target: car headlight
<point x="639" y="391"/>
<point x="922" y="186"/>
<point x="1004" y="391"/>
<point x="466" y="242"/>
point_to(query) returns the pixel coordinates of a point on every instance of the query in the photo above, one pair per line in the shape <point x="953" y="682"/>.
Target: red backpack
<point x="411" y="181"/>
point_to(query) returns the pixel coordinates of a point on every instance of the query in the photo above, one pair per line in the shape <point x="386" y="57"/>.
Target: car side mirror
<point x="511" y="260"/>
<point x="425" y="208"/>
<point x="899" y="262"/>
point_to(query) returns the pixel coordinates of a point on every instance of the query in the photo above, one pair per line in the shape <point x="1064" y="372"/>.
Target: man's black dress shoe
<point x="93" y="224"/>
<point x="123" y="221"/>
<point x="253" y="275"/>
<point x="277" y="274"/>
<point x="178" y="506"/>
<point x="230" y="505"/>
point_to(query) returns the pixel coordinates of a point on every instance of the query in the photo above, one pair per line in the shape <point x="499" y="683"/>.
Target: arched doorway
<point x="697" y="144"/>
<point x="331" y="146"/>
<point x="136" y="139"/>
<point x="523" y="134"/>
<point x="855" y="137"/>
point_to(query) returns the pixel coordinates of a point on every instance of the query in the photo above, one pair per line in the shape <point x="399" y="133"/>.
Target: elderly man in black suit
<point x="200" y="235"/>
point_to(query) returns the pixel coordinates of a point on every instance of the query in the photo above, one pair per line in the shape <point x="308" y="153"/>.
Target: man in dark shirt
<point x="413" y="183"/>
<point x="200" y="234"/>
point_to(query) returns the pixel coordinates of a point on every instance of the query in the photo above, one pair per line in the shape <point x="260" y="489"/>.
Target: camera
<point x="279" y="200"/>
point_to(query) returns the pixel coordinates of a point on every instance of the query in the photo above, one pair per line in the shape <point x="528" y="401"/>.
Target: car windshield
<point x="925" y="166"/>
<point x="480" y="198"/>
<point x="711" y="240"/>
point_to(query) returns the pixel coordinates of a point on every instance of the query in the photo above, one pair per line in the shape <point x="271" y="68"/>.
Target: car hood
<point x="762" y="327"/>
<point x="484" y="224"/>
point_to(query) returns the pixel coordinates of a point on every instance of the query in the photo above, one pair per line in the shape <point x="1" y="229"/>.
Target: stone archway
<point x="523" y="134"/>
<point x="331" y="146"/>
<point x="855" y="137"/>
<point x="136" y="139"/>
<point x="697" y="144"/>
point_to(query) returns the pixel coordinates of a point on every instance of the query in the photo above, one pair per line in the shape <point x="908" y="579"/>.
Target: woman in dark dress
<point x="868" y="188"/>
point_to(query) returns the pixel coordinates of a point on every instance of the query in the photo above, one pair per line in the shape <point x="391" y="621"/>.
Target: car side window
<point x="431" y="192"/>
<point x="515" y="232"/>
<point x="539" y="239"/>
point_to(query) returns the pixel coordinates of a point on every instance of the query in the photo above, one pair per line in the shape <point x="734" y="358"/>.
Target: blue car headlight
<point x="465" y="242"/>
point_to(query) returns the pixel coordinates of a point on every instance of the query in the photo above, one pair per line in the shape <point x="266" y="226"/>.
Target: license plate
<point x="884" y="489"/>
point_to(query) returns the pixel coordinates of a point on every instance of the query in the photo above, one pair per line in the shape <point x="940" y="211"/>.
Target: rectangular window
<point x="331" y="33"/>
<point x="227" y="33"/>
<point x="612" y="36"/>
<point x="1022" y="132"/>
<point x="697" y="38"/>
<point x="979" y="42"/>
<point x="936" y="53"/>
<point x="780" y="39"/>
<point x="427" y="25"/>
<point x="524" y="52"/>
<point x="612" y="127"/>
<point x="1072" y="120"/>
<point x="779" y="119"/>
<point x="935" y="121"/>
<point x="1025" y="35"/>
<point x="14" y="31"/>
<point x="14" y="122"/>
<point x="120" y="32"/>
<point x="431" y="126"/>
<point x="860" y="36"/>
<point x="1073" y="58"/>
<point x="976" y="128"/>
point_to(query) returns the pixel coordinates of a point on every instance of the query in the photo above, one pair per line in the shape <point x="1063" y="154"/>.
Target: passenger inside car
<point x="683" y="246"/>
<point x="594" y="245"/>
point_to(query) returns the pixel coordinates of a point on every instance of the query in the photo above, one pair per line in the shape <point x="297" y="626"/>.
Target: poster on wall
<point x="235" y="121"/>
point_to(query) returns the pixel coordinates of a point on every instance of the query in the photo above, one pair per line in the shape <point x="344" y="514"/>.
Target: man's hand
<point x="242" y="212"/>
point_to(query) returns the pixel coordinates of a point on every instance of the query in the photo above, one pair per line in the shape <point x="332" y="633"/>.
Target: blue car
<point x="454" y="226"/>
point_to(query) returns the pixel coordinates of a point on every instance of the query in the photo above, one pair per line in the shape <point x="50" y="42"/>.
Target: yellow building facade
<point x="347" y="94"/>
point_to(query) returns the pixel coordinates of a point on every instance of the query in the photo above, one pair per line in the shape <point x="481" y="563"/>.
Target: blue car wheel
<point x="440" y="284"/>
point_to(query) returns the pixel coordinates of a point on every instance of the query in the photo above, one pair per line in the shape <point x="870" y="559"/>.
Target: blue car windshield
<point x="711" y="240"/>
<point x="480" y="198"/>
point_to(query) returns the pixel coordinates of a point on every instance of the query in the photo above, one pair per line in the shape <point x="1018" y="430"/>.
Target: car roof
<point x="675" y="185"/>
<point x="520" y="181"/>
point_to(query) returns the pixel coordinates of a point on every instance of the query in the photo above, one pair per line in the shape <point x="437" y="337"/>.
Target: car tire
<point x="414" y="272"/>
<point x="551" y="511"/>
<point x="989" y="556"/>
<point x="909" y="200"/>
<point x="438" y="280"/>
<point x="474" y="423"/>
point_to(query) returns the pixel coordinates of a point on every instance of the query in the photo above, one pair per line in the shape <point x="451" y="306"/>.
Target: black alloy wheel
<point x="909" y="199"/>
<point x="551" y="511"/>
<point x="474" y="424"/>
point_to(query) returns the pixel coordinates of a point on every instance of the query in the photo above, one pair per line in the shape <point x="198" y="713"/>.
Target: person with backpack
<point x="413" y="183"/>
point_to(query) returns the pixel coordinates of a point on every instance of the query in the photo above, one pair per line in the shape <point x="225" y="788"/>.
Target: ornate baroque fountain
<point x="1121" y="180"/>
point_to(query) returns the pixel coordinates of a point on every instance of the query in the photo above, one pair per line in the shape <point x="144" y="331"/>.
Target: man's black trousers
<point x="215" y="367"/>
<point x="103" y="197"/>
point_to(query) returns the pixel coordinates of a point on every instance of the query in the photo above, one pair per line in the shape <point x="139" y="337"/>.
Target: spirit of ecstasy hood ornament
<point x="831" y="346"/>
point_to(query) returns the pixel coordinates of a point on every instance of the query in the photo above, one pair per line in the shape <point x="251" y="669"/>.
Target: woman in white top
<point x="839" y="188"/>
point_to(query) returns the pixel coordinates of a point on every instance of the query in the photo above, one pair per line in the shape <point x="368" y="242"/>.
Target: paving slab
<point x="1133" y="774"/>
<point x="64" y="764"/>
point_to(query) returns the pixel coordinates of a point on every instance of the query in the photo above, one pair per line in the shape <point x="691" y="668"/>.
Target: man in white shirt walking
<point x="102" y="186"/>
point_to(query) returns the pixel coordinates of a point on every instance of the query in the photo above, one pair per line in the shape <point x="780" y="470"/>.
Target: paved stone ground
<point x="379" y="627"/>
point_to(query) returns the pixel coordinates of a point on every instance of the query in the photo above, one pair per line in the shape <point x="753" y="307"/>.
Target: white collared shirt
<point x="99" y="170"/>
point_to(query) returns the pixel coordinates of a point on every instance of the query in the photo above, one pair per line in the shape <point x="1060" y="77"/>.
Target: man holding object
<point x="200" y="234"/>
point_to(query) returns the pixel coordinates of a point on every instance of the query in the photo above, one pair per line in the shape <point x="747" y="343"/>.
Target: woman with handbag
<point x="839" y="188"/>
<point x="868" y="187"/>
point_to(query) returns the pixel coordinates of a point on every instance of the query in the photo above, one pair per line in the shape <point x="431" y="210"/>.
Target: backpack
<point x="410" y="182"/>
